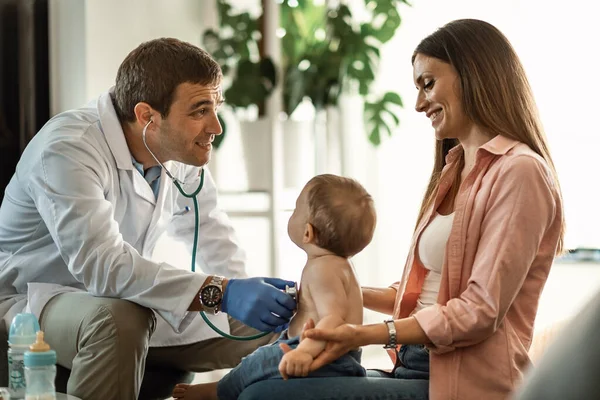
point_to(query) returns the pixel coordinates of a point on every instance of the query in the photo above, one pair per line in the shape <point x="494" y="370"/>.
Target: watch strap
<point x="392" y="342"/>
<point x="217" y="281"/>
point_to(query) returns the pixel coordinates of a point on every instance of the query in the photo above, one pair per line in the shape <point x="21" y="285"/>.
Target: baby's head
<point x="334" y="213"/>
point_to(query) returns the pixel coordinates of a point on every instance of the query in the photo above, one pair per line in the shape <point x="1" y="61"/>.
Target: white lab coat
<point x="77" y="215"/>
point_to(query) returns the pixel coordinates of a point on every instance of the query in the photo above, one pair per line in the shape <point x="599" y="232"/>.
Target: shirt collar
<point x="499" y="145"/>
<point x="111" y="127"/>
<point x="137" y="165"/>
<point x="140" y="167"/>
<point x="453" y="154"/>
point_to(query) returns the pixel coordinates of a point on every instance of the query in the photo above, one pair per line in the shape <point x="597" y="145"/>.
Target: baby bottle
<point x="21" y="335"/>
<point x="40" y="370"/>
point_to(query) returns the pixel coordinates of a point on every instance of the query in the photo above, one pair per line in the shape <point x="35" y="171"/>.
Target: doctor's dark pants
<point x="104" y="342"/>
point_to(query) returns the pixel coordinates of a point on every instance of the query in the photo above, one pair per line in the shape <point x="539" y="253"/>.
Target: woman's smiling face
<point x="440" y="97"/>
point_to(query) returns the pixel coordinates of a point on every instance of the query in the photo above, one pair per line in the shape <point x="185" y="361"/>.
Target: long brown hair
<point x="496" y="94"/>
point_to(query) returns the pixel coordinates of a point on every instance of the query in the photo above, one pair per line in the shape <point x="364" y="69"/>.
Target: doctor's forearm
<point x="195" y="304"/>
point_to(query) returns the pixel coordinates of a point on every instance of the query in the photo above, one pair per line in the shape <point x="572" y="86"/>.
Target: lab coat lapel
<point x="142" y="188"/>
<point x="111" y="127"/>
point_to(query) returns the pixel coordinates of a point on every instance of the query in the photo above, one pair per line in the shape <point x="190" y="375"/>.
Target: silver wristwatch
<point x="211" y="295"/>
<point x="392" y="343"/>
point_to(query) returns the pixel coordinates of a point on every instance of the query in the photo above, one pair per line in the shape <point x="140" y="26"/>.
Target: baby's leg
<point x="203" y="391"/>
<point x="261" y="365"/>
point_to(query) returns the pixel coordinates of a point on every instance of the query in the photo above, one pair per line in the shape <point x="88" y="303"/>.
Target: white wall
<point x="90" y="38"/>
<point x="67" y="54"/>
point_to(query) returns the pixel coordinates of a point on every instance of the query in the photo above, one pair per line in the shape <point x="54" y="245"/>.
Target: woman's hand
<point x="379" y="299"/>
<point x="348" y="337"/>
<point x="339" y="342"/>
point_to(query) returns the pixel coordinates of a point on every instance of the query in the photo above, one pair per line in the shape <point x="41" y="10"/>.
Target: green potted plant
<point x="249" y="79"/>
<point x="325" y="53"/>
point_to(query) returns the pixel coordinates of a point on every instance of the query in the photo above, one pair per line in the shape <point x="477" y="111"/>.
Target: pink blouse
<point x="507" y="223"/>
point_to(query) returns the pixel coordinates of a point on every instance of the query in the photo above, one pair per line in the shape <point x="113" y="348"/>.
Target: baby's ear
<point x="309" y="234"/>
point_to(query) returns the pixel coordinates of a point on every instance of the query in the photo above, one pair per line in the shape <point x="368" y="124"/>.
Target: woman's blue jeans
<point x="408" y="381"/>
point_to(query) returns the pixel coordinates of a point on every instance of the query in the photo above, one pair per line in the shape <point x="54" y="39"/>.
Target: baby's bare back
<point x="323" y="279"/>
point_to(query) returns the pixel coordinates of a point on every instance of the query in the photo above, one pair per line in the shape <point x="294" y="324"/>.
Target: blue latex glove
<point x="255" y="301"/>
<point x="282" y="328"/>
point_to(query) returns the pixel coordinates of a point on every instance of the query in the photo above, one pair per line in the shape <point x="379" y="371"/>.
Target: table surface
<point x="62" y="396"/>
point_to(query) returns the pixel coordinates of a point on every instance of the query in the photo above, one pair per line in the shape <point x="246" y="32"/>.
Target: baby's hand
<point x="295" y="363"/>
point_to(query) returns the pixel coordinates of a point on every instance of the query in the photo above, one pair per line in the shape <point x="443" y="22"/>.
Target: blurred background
<point x="321" y="86"/>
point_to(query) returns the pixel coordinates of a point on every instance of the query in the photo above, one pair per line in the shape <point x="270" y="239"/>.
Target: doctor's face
<point x="186" y="134"/>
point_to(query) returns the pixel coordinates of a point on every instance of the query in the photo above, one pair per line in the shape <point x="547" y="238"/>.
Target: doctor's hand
<point x="259" y="302"/>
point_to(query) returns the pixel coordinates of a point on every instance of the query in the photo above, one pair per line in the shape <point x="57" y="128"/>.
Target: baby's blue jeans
<point x="263" y="364"/>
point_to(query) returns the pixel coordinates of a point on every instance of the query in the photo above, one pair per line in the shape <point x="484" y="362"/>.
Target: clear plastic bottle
<point x="21" y="335"/>
<point x="40" y="370"/>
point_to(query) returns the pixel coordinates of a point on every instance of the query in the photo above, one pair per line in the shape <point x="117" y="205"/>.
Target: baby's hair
<point x="342" y="214"/>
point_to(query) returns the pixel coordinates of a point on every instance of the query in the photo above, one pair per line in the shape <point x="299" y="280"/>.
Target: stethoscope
<point x="289" y="290"/>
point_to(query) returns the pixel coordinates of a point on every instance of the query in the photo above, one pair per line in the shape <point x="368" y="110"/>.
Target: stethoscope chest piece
<point x="292" y="291"/>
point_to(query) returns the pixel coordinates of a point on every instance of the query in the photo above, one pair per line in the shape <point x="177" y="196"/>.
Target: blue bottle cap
<point x="39" y="354"/>
<point x="23" y="329"/>
<point x="39" y="359"/>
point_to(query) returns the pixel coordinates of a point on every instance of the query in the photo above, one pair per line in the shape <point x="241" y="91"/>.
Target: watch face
<point x="211" y="296"/>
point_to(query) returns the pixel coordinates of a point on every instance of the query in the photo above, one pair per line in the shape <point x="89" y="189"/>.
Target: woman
<point x="489" y="227"/>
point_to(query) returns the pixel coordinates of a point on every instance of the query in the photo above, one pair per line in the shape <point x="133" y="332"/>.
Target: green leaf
<point x="378" y="113"/>
<point x="294" y="89"/>
<point x="374" y="50"/>
<point x="391" y="97"/>
<point x="385" y="14"/>
<point x="344" y="12"/>
<point x="375" y="138"/>
<point x="393" y="116"/>
<point x="252" y="84"/>
<point x="268" y="73"/>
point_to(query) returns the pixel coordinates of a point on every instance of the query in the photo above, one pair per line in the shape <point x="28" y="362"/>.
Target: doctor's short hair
<point x="152" y="72"/>
<point x="342" y="214"/>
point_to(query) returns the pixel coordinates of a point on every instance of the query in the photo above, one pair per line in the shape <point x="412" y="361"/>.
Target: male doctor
<point x="85" y="208"/>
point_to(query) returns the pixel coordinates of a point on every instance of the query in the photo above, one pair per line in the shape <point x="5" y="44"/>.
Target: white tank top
<point x="432" y="249"/>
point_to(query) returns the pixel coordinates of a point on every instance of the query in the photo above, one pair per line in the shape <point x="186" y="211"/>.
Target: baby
<point x="334" y="219"/>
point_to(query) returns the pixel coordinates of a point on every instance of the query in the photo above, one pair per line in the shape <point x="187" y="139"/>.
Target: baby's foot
<point x="205" y="391"/>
